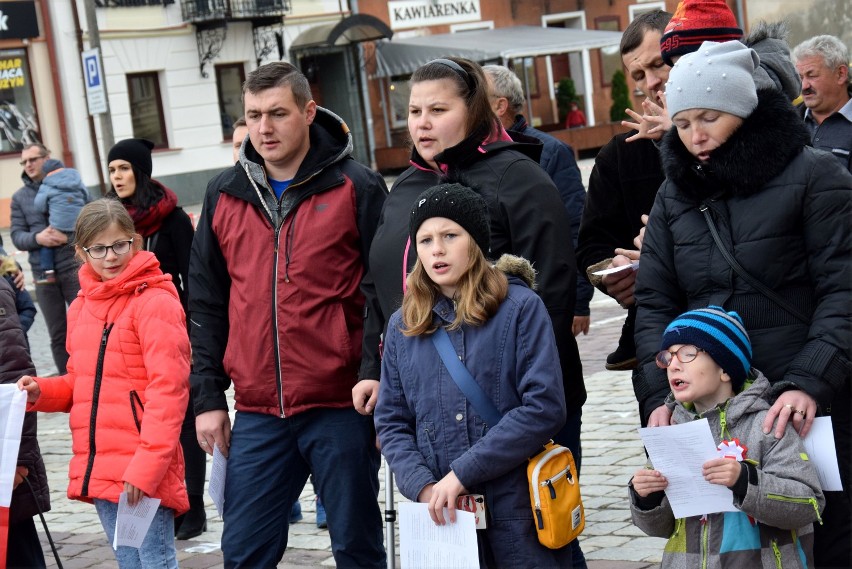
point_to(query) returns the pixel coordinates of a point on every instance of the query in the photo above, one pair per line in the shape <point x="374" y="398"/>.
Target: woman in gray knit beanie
<point x="710" y="92"/>
<point x="754" y="219"/>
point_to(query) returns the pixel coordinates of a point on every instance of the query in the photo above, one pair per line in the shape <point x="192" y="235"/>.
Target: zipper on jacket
<point x="134" y="399"/>
<point x="288" y="246"/>
<point x="723" y="422"/>
<point x="276" y="343"/>
<point x="705" y="521"/>
<point x="93" y="416"/>
<point x="794" y="500"/>
<point x="776" y="553"/>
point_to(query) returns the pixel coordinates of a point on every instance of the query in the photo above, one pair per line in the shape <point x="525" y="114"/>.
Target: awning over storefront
<point x="353" y="29"/>
<point x="404" y="56"/>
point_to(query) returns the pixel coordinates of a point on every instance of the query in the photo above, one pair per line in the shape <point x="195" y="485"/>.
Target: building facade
<point x="173" y="70"/>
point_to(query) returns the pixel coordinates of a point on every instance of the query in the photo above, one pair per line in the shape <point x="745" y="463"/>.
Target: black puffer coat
<point x="785" y="210"/>
<point x="14" y="362"/>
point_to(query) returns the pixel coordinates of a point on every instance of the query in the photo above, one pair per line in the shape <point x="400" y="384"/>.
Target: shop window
<point x="610" y="57"/>
<point x="528" y="76"/>
<point x="146" y="108"/>
<point x="229" y="86"/>
<point x="638" y="9"/>
<point x="400" y="91"/>
<point x="18" y="116"/>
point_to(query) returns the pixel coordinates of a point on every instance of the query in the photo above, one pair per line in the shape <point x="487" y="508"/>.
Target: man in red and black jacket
<point x="281" y="303"/>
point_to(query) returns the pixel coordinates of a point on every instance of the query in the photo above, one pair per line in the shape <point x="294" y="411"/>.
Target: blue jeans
<point x="46" y="258"/>
<point x="158" y="548"/>
<point x="268" y="464"/>
<point x="569" y="437"/>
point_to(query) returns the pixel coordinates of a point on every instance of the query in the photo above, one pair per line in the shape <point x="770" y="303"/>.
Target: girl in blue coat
<point x="434" y="440"/>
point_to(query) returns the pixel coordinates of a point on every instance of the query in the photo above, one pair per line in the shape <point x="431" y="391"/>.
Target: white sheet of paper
<point x="132" y="522"/>
<point x="634" y="265"/>
<point x="679" y="451"/>
<point x="424" y="545"/>
<point x="13" y="405"/>
<point x="216" y="488"/>
<point x="819" y="444"/>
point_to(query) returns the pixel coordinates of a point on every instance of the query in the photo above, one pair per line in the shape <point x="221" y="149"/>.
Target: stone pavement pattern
<point x="611" y="453"/>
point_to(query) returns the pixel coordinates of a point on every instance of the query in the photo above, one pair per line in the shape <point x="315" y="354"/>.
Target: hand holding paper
<point x="632" y="267"/>
<point x="216" y="488"/>
<point x="30" y="386"/>
<point x="424" y="544"/>
<point x="132" y="522"/>
<point x="679" y="453"/>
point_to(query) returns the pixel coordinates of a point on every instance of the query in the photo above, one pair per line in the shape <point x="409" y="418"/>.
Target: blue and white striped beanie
<point x="721" y="334"/>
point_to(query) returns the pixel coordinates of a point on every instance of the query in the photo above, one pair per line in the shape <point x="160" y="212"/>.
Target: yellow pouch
<point x="555" y="496"/>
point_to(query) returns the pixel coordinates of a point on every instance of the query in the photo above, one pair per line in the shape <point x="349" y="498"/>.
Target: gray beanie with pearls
<point x="719" y="76"/>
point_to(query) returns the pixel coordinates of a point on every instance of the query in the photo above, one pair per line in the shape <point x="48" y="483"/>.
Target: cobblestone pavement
<point x="611" y="452"/>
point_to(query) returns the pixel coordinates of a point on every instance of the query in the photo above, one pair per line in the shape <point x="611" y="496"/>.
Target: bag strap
<point x="756" y="284"/>
<point x="462" y="377"/>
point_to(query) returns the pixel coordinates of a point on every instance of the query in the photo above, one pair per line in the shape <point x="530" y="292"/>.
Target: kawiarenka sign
<point x="419" y="13"/>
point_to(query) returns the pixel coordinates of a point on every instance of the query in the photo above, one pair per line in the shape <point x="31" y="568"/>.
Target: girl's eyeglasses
<point x="685" y="354"/>
<point x="100" y="251"/>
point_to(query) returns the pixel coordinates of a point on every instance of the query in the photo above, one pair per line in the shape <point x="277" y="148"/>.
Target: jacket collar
<point x="142" y="271"/>
<point x="331" y="143"/>
<point x="753" y="398"/>
<point x="476" y="147"/>
<point x="330" y="140"/>
<point x="756" y="153"/>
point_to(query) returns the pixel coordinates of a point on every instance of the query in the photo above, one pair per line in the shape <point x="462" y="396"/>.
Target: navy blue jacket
<point x="427" y="427"/>
<point x="557" y="159"/>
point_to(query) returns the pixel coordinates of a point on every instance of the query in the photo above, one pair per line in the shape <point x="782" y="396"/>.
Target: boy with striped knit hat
<point x="707" y="356"/>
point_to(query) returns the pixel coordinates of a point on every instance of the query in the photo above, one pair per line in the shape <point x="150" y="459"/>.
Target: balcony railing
<point x="200" y="11"/>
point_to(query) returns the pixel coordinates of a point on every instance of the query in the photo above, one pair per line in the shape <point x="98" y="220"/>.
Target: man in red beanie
<point x="697" y="21"/>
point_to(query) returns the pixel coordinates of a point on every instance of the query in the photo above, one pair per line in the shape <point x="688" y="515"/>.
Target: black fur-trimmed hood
<point x="758" y="151"/>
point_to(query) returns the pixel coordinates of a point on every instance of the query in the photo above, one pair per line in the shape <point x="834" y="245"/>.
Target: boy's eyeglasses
<point x="685" y="354"/>
<point x="100" y="251"/>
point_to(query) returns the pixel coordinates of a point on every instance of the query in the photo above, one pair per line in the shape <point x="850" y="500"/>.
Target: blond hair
<point x="479" y="292"/>
<point x="8" y="266"/>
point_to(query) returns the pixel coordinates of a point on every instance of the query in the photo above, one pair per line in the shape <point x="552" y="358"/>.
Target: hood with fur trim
<point x="759" y="150"/>
<point x="519" y="267"/>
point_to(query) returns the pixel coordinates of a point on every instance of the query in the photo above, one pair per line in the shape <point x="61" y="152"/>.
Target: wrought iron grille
<point x="197" y="11"/>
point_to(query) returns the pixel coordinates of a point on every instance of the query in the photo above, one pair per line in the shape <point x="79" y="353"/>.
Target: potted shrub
<point x="620" y="97"/>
